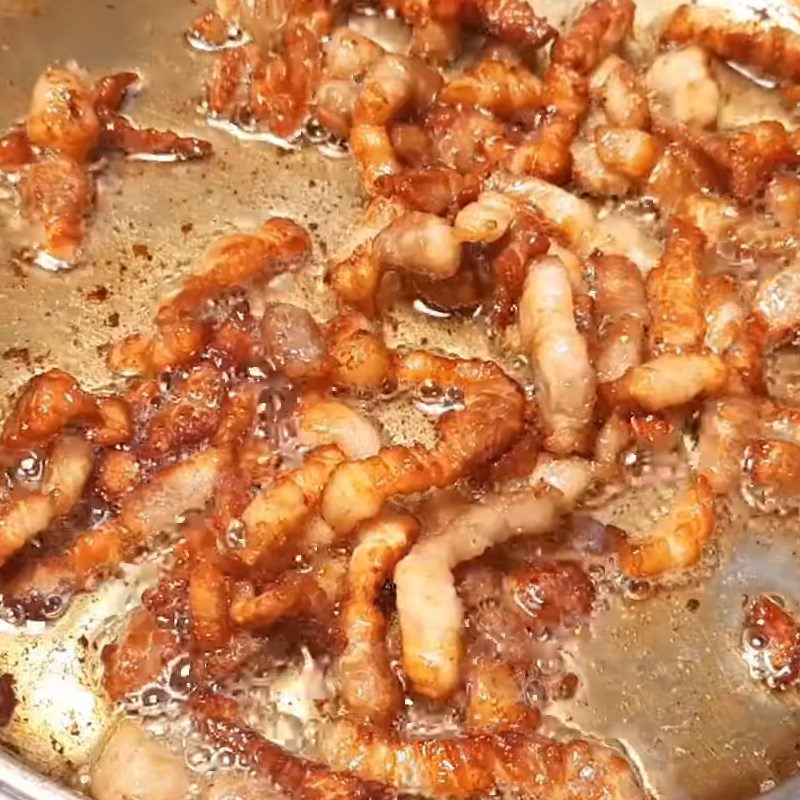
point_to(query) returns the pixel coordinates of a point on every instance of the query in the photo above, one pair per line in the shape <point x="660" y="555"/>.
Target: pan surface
<point x="663" y="675"/>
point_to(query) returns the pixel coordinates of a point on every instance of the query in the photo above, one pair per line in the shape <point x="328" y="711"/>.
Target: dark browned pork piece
<point x="69" y="124"/>
<point x="772" y="643"/>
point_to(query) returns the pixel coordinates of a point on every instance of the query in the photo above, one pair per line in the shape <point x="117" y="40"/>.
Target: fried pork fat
<point x="477" y="179"/>
<point x="71" y="123"/>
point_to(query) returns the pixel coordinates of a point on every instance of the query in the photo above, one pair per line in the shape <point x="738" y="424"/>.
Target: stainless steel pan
<point x="664" y="676"/>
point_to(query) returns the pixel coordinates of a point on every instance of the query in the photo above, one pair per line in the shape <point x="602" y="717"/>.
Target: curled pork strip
<point x="747" y="157"/>
<point x="209" y="601"/>
<point x="62" y="116"/>
<point x="615" y="434"/>
<point x="334" y="105"/>
<point x="511" y="21"/>
<point x="676" y="542"/>
<point x="743" y="434"/>
<point x="432" y="644"/>
<point x="416" y="242"/>
<point x="466" y="139"/>
<point x="684" y="88"/>
<point x="368" y="686"/>
<point x="491" y="419"/>
<point x="57" y="193"/>
<point x="229" y="70"/>
<point x="726" y="427"/>
<point x="373" y="154"/>
<point x="190" y="414"/>
<point x="117" y="132"/>
<point x="118" y="472"/>
<point x="174" y="345"/>
<point x="278" y="72"/>
<point x="545" y="152"/>
<point x="592" y="176"/>
<point x="352" y="270"/>
<point x="292" y="341"/>
<point x="487" y="219"/>
<point x="140" y="654"/>
<point x="782" y="199"/>
<point x="48" y="403"/>
<point x="253" y="469"/>
<point x="523" y="764"/>
<point x="155" y="507"/>
<point x="15" y="149"/>
<point x="110" y="91"/>
<point x="69" y="466"/>
<point x="565" y="378"/>
<point x="68" y="124"/>
<point x="150" y="509"/>
<point x="420" y="243"/>
<point x="616" y="87"/>
<point x="495" y="699"/>
<point x="668" y="380"/>
<point x="769" y="48"/>
<point x="294" y="593"/>
<point x="515" y="22"/>
<point x="776" y="305"/>
<point x="395" y="85"/>
<point x="435" y="190"/>
<point x="774" y="464"/>
<point x="263" y="20"/>
<point x="731" y="334"/>
<point x="763" y="236"/>
<point x="121" y="134"/>
<point x="572" y="216"/>
<point x="679" y="172"/>
<point x="627" y="152"/>
<point x="300" y="72"/>
<point x="360" y="360"/>
<point x="324" y="421"/>
<point x="596" y="32"/>
<point x="235" y="259"/>
<point x="206" y="572"/>
<point x="507" y="89"/>
<point x="218" y="718"/>
<point x="772" y="642"/>
<point x="350" y="54"/>
<point x="622" y="316"/>
<point x="573" y="219"/>
<point x="256" y="469"/>
<point x="436" y="41"/>
<point x="526" y="240"/>
<point x="276" y="513"/>
<point x="675" y="292"/>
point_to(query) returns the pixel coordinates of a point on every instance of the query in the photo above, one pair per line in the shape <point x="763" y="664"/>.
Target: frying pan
<point x="662" y="675"/>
